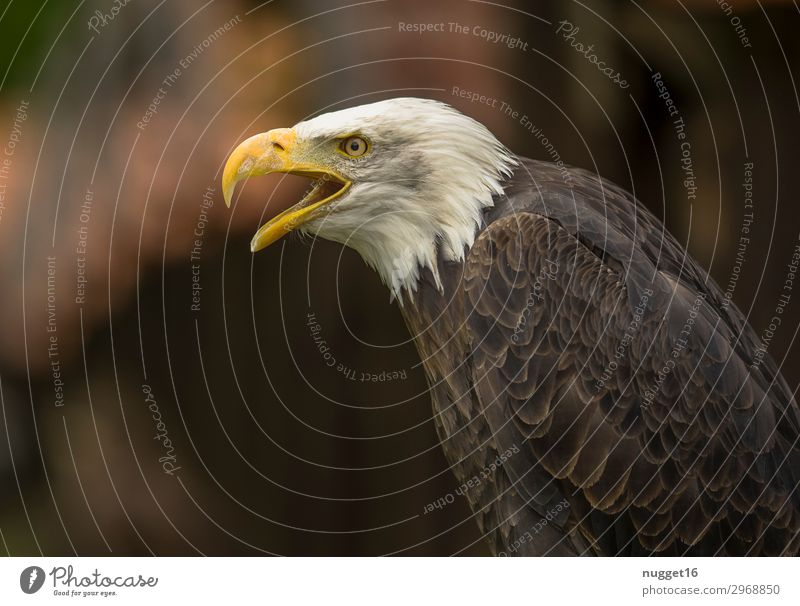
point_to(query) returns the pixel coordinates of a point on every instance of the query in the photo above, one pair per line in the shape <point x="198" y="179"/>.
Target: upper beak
<point x="271" y="152"/>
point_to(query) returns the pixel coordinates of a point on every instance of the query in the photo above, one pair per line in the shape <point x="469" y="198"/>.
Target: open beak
<point x="275" y="152"/>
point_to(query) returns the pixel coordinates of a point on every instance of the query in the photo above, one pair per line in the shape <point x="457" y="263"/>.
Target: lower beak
<point x="273" y="152"/>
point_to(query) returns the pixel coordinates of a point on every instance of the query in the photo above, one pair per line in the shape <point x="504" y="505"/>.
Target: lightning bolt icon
<point x="32" y="579"/>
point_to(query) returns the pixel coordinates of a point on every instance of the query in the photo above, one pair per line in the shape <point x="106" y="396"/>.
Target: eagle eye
<point x="354" y="146"/>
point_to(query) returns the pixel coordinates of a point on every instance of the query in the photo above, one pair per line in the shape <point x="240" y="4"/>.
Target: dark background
<point x="278" y="452"/>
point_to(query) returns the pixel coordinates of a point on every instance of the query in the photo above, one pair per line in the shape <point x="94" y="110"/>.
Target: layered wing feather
<point x="637" y="394"/>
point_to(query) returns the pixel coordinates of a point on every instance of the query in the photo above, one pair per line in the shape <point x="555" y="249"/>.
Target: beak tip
<point x="261" y="239"/>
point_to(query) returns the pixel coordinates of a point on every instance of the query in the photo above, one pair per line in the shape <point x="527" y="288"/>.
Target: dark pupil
<point x="354" y="146"/>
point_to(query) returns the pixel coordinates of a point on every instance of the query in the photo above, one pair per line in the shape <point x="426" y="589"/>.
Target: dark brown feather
<point x="580" y="335"/>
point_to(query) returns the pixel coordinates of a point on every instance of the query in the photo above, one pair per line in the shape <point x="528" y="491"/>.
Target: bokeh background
<point x="134" y="423"/>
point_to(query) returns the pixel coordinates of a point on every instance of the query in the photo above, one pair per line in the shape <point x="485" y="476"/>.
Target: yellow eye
<point x="354" y="146"/>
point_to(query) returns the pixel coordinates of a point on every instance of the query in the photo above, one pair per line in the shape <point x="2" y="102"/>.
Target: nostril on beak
<point x="280" y="141"/>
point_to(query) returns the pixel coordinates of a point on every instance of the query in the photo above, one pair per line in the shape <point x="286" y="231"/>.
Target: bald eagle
<point x="580" y="362"/>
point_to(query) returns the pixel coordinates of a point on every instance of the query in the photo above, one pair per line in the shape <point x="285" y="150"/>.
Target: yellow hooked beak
<point x="276" y="152"/>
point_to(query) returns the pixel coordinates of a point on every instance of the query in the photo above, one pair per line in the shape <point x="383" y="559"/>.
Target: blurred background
<point x="165" y="392"/>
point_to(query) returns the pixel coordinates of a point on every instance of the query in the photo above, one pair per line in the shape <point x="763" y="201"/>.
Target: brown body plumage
<point x="637" y="414"/>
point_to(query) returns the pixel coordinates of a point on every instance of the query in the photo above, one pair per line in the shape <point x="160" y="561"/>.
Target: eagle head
<point x="399" y="181"/>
